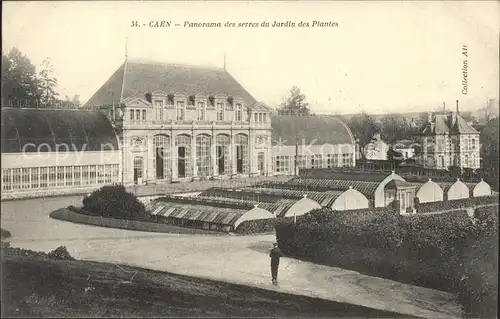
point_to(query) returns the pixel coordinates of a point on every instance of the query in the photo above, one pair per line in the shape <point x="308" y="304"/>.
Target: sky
<point x="382" y="57"/>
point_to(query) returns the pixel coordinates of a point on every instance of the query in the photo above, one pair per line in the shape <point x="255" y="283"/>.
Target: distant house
<point x="377" y="149"/>
<point x="448" y="140"/>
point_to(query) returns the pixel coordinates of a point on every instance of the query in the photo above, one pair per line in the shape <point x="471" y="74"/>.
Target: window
<point x="223" y="157"/>
<point x="241" y="142"/>
<point x="26" y="178"/>
<point x="201" y="111"/>
<point x="85" y="175"/>
<point x="100" y="174"/>
<point x="107" y="173"/>
<point x="60" y="176"/>
<point x="220" y="111"/>
<point x="77" y="175"/>
<point x="260" y="117"/>
<point x="137" y="168"/>
<point x="92" y="175"/>
<point x="440" y="145"/>
<point x="264" y="117"/>
<point x="43" y="177"/>
<point x="16" y="178"/>
<point x="52" y="177"/>
<point x="6" y="179"/>
<point x="183" y="145"/>
<point x="138" y="115"/>
<point x="161" y="158"/>
<point x="69" y="176"/>
<point x="473" y="144"/>
<point x="239" y="109"/>
<point x="329" y="161"/>
<point x="143" y="115"/>
<point x="180" y="111"/>
<point x="256" y="117"/>
<point x="131" y="115"/>
<point x="203" y="155"/>
<point x="158" y="110"/>
<point x="282" y="164"/>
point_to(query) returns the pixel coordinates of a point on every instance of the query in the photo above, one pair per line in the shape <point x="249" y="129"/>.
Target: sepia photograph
<point x="302" y="159"/>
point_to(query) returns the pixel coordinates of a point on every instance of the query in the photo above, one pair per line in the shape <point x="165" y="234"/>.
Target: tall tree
<point x="363" y="127"/>
<point x="48" y="85"/>
<point x="394" y="128"/>
<point x="294" y="104"/>
<point x="19" y="80"/>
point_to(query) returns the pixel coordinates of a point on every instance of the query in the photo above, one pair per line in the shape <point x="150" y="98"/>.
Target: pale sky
<point x="383" y="56"/>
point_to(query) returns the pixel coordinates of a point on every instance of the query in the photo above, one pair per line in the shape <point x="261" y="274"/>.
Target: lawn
<point x="36" y="286"/>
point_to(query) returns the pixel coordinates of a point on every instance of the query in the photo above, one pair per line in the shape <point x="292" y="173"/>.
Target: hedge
<point x="425" y="250"/>
<point x="455" y="204"/>
<point x="256" y="226"/>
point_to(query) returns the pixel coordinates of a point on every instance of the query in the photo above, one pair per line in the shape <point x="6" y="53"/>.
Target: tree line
<point x="23" y="86"/>
<point x="391" y="127"/>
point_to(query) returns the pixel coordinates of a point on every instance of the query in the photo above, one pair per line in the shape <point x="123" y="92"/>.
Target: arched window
<point x="241" y="144"/>
<point x="203" y="155"/>
<point x="223" y="158"/>
<point x="161" y="157"/>
<point x="183" y="147"/>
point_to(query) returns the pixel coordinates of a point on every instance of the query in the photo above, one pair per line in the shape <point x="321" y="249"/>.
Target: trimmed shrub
<point x="60" y="253"/>
<point x="256" y="226"/>
<point x="114" y="201"/>
<point x="4" y="234"/>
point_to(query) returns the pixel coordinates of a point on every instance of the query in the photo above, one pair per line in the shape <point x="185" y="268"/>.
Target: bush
<point x="4" y="234"/>
<point x="60" y="253"/>
<point x="447" y="251"/>
<point x="114" y="201"/>
<point x="256" y="226"/>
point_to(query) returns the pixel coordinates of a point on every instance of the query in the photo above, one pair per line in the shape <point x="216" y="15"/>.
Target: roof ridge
<point x="175" y="64"/>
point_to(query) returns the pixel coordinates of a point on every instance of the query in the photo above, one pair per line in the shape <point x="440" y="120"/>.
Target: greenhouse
<point x="456" y="190"/>
<point x="429" y="192"/>
<point x="479" y="189"/>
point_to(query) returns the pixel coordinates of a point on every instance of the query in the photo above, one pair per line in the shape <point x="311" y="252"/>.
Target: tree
<point x="294" y="104"/>
<point x="20" y="85"/>
<point x="363" y="127"/>
<point x="48" y="84"/>
<point x="115" y="202"/>
<point x="394" y="129"/>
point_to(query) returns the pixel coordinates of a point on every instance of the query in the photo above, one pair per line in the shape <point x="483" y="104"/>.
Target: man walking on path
<point x="275" y="255"/>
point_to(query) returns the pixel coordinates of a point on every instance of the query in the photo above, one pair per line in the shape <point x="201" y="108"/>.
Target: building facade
<point x="302" y="142"/>
<point x="181" y="123"/>
<point x="448" y="140"/>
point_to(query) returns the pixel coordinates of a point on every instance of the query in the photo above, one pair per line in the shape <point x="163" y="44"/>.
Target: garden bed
<point x="68" y="215"/>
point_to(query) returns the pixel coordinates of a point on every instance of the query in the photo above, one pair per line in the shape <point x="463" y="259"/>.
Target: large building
<point x="47" y="151"/>
<point x="182" y="123"/>
<point x="301" y="142"/>
<point x="448" y="140"/>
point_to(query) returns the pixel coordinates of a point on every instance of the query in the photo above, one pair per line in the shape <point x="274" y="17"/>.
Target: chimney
<point x="458" y="112"/>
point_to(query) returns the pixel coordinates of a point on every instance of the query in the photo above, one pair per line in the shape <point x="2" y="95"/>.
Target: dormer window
<point x="220" y="111"/>
<point x="181" y="110"/>
<point x="239" y="111"/>
<point x="201" y="111"/>
<point x="158" y="110"/>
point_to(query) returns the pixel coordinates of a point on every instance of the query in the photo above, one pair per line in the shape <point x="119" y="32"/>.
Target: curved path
<point x="238" y="259"/>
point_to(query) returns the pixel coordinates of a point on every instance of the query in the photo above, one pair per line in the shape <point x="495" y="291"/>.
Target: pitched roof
<point x="451" y="124"/>
<point x="364" y="187"/>
<point x="139" y="78"/>
<point x="313" y="129"/>
<point x="79" y="130"/>
<point x="340" y="174"/>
